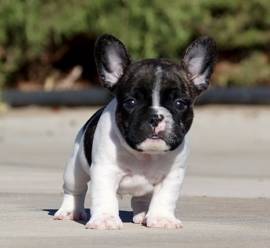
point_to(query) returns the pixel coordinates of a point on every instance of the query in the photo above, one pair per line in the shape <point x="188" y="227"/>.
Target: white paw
<point x="163" y="222"/>
<point x="63" y="214"/>
<point x="104" y="222"/>
<point x="139" y="218"/>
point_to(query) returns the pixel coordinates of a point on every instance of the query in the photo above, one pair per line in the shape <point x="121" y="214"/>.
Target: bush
<point x="151" y="28"/>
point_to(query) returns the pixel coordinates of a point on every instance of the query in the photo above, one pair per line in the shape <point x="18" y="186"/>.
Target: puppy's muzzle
<point x="158" y="126"/>
<point x="155" y="119"/>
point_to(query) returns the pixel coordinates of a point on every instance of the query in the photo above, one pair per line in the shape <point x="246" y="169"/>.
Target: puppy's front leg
<point x="104" y="210"/>
<point x="161" y="211"/>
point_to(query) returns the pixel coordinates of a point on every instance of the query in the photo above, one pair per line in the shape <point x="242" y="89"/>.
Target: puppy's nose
<point x="155" y="119"/>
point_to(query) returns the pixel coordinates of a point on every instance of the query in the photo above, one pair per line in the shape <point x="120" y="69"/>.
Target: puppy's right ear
<point x="112" y="60"/>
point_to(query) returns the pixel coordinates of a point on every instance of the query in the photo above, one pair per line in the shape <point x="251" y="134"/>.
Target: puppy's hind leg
<point x="75" y="187"/>
<point x="140" y="205"/>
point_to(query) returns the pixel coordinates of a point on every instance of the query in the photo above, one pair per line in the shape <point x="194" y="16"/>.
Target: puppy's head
<point x="154" y="96"/>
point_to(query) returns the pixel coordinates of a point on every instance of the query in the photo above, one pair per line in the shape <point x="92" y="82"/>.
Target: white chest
<point x="136" y="185"/>
<point x="140" y="177"/>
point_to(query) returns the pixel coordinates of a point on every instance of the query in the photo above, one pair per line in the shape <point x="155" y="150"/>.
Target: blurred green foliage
<point x="150" y="28"/>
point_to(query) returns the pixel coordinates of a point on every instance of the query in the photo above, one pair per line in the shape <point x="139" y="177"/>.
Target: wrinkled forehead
<point x="153" y="78"/>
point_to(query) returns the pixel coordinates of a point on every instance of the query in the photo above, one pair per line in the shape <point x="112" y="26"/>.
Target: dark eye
<point x="180" y="104"/>
<point x="129" y="104"/>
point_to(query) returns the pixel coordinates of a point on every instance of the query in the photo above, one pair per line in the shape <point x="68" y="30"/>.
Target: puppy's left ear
<point x="111" y="60"/>
<point x="199" y="61"/>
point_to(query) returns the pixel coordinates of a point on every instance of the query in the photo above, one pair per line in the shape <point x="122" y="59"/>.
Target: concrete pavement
<point x="226" y="196"/>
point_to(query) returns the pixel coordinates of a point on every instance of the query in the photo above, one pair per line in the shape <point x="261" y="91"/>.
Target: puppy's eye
<point x="129" y="104"/>
<point x="180" y="104"/>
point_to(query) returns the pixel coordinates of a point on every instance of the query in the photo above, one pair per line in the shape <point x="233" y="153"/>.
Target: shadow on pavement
<point x="126" y="216"/>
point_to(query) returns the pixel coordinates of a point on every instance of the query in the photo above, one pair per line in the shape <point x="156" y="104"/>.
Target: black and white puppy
<point x="136" y="144"/>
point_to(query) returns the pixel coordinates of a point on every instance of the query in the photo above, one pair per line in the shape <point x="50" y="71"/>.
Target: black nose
<point x="155" y="119"/>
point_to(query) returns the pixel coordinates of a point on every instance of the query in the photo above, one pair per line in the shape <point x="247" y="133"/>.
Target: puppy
<point x="136" y="144"/>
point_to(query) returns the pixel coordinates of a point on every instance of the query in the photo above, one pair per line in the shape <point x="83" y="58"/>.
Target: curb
<point x="234" y="95"/>
<point x="100" y="96"/>
<point x="95" y="96"/>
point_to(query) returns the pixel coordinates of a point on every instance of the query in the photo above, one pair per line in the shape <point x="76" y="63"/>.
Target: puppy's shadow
<point x="125" y="216"/>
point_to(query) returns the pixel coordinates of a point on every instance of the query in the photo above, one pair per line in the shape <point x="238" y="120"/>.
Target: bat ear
<point x="199" y="61"/>
<point x="112" y="60"/>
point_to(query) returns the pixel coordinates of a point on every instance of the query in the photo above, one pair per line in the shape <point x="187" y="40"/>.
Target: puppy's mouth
<point x="154" y="143"/>
<point x="155" y="137"/>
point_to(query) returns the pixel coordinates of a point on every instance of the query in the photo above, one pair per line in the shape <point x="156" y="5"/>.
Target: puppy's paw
<point x="163" y="222"/>
<point x="139" y="218"/>
<point x="76" y="215"/>
<point x="104" y="222"/>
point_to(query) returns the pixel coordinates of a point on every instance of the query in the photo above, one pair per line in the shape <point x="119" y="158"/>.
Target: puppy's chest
<point x="141" y="177"/>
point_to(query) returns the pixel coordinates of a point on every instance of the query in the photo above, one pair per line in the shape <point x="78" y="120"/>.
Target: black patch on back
<point x="89" y="131"/>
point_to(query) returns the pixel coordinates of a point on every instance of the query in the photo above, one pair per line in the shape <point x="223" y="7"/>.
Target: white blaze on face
<point x="156" y="98"/>
<point x="156" y="88"/>
<point x="166" y="123"/>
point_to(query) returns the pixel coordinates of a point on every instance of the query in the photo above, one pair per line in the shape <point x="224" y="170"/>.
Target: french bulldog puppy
<point x="137" y="144"/>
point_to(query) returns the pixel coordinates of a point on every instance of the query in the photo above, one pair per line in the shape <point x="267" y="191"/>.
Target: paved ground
<point x="226" y="195"/>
